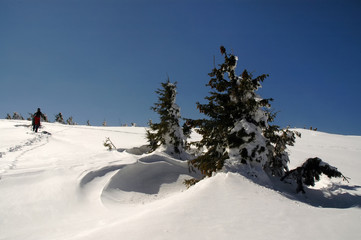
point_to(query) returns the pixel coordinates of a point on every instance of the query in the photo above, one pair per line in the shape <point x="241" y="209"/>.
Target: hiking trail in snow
<point x="12" y="155"/>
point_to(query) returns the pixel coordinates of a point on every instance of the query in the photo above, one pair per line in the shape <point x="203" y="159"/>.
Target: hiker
<point x="36" y="120"/>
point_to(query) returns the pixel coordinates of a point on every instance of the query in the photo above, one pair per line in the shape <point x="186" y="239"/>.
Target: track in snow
<point x="10" y="158"/>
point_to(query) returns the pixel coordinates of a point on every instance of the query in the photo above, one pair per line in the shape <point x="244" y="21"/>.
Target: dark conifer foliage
<point x="59" y="118"/>
<point x="237" y="129"/>
<point x="278" y="158"/>
<point x="310" y="171"/>
<point x="167" y="133"/>
<point x="70" y="121"/>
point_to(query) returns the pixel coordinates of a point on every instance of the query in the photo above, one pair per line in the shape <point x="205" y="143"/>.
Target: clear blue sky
<point x="103" y="60"/>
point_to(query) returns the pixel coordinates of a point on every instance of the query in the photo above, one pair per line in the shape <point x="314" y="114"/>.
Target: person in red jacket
<point x="36" y="120"/>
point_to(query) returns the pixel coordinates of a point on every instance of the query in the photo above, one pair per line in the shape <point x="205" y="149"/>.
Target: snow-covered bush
<point x="167" y="134"/>
<point x="310" y="171"/>
<point x="109" y="144"/>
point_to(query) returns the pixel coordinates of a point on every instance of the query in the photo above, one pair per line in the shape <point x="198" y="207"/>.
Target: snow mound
<point x="153" y="177"/>
<point x="90" y="176"/>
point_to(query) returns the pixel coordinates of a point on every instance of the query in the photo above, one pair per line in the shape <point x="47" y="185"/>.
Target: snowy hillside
<point x="62" y="183"/>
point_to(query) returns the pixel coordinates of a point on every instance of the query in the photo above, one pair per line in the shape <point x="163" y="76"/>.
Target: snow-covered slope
<point x="62" y="183"/>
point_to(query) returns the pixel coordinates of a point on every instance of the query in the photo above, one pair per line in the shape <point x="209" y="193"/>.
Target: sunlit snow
<point x="62" y="183"/>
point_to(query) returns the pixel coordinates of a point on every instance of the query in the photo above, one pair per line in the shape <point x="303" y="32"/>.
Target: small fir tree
<point x="8" y="117"/>
<point x="17" y="116"/>
<point x="59" y="118"/>
<point x="70" y="121"/>
<point x="237" y="131"/>
<point x="168" y="133"/>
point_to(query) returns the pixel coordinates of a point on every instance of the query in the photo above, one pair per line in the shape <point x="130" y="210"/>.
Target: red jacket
<point x="36" y="120"/>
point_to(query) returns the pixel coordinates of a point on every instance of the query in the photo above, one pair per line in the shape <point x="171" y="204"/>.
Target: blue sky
<point x="104" y="60"/>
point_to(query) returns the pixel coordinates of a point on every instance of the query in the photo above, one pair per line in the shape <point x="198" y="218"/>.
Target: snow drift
<point x="62" y="183"/>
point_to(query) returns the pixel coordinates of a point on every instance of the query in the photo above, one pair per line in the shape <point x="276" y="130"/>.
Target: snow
<point x="259" y="141"/>
<point x="62" y="183"/>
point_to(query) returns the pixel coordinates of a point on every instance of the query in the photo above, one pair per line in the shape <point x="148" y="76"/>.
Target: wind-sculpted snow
<point x="152" y="177"/>
<point x="90" y="176"/>
<point x="68" y="186"/>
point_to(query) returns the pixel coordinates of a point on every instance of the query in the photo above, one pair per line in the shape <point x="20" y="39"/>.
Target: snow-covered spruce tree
<point x="167" y="134"/>
<point x="59" y="118"/>
<point x="278" y="158"/>
<point x="17" y="116"/>
<point x="237" y="134"/>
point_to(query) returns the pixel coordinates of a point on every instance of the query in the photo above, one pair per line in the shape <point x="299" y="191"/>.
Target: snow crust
<point x="62" y="183"/>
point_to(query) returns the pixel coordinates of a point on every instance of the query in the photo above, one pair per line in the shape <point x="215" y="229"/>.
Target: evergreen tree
<point x="8" y="117"/>
<point x="17" y="116"/>
<point x="168" y="133"/>
<point x="59" y="118"/>
<point x="278" y="159"/>
<point x="70" y="121"/>
<point x="237" y="131"/>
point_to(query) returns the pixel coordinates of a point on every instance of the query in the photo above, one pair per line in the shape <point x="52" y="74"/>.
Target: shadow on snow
<point x="335" y="195"/>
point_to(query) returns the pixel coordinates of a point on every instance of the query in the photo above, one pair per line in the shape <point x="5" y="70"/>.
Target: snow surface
<point x="62" y="183"/>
